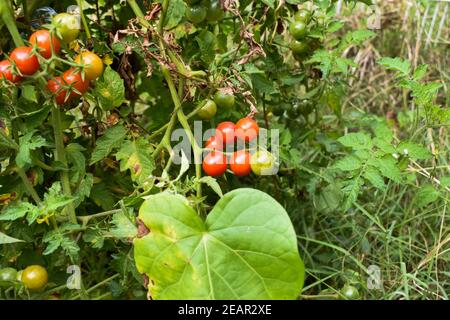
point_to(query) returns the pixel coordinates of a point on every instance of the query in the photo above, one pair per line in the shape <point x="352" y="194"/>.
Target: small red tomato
<point x="214" y="143"/>
<point x="73" y="78"/>
<point x="215" y="164"/>
<point x="6" y="71"/>
<point x="247" y="129"/>
<point x="25" y="60"/>
<point x="226" y="131"/>
<point x="56" y="87"/>
<point x="45" y="41"/>
<point x="240" y="163"/>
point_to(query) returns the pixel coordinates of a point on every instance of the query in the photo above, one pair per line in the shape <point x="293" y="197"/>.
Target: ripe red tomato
<point x="7" y="72"/>
<point x="247" y="129"/>
<point x="45" y="41"/>
<point x="240" y="163"/>
<point x="214" y="143"/>
<point x="215" y="164"/>
<point x="226" y="131"/>
<point x="26" y="62"/>
<point x="73" y="78"/>
<point x="56" y="87"/>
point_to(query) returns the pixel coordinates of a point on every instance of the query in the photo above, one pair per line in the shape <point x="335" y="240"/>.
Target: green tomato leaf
<point x="28" y="143"/>
<point x="29" y="93"/>
<point x="175" y="12"/>
<point x="110" y="89"/>
<point x="207" y="42"/>
<point x="55" y="198"/>
<point x="414" y="151"/>
<point x="246" y="249"/>
<point x="112" y="139"/>
<point x="349" y="163"/>
<point x="356" y="141"/>
<point x="136" y="157"/>
<point x="18" y="211"/>
<point x="4" y="239"/>
<point x="124" y="228"/>
<point x="213" y="184"/>
<point x="425" y="195"/>
<point x="374" y="177"/>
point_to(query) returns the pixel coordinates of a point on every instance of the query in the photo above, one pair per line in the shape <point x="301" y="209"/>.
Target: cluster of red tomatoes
<point x="71" y="84"/>
<point x="241" y="162"/>
<point x="25" y="61"/>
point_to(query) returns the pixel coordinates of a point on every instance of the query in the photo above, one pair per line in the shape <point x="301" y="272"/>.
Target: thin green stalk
<point x="98" y="285"/>
<point x="183" y="120"/>
<point x="60" y="155"/>
<point x="83" y="19"/>
<point x="189" y="116"/>
<point x="28" y="186"/>
<point x="7" y="15"/>
<point x="136" y="9"/>
<point x="85" y="219"/>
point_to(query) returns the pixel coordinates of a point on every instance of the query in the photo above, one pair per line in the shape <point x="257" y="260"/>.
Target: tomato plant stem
<point x="189" y="116"/>
<point x="60" y="155"/>
<point x="28" y="186"/>
<point x="7" y="15"/>
<point x="184" y="122"/>
<point x="85" y="219"/>
<point x="136" y="9"/>
<point x="83" y="19"/>
<point x="97" y="285"/>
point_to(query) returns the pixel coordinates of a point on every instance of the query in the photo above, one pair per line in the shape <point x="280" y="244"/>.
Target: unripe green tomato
<point x="208" y="111"/>
<point x="224" y="100"/>
<point x="34" y="277"/>
<point x="293" y="112"/>
<point x="263" y="163"/>
<point x="350" y="292"/>
<point x="303" y="15"/>
<point x="278" y="110"/>
<point x="67" y="27"/>
<point x="7" y="276"/>
<point x="299" y="47"/>
<point x="196" y="13"/>
<point x="306" y="107"/>
<point x="298" y="30"/>
<point x="215" y="11"/>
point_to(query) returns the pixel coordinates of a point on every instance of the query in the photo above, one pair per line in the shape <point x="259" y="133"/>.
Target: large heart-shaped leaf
<point x="246" y="249"/>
